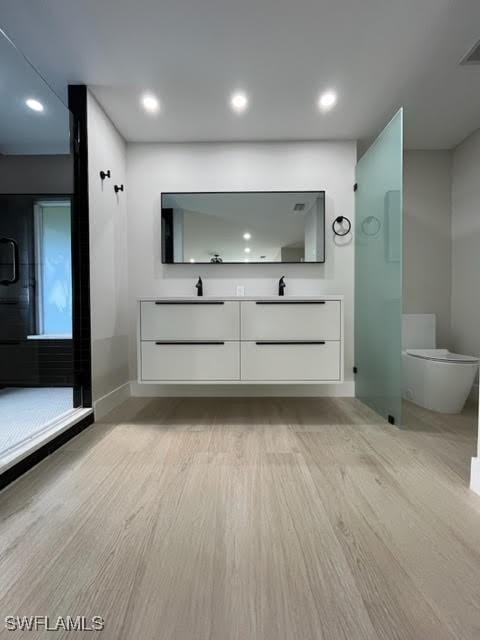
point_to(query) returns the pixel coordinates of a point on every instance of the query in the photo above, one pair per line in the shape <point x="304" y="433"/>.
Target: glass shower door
<point x="378" y="272"/>
<point x="38" y="373"/>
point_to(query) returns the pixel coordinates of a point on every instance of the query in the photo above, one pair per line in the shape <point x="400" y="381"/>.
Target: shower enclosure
<point x="40" y="389"/>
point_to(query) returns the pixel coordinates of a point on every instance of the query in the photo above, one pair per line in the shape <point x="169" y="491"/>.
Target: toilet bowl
<point x="433" y="378"/>
<point x="437" y="379"/>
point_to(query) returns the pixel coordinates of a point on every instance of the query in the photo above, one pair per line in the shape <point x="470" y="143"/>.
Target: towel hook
<point x="339" y="221"/>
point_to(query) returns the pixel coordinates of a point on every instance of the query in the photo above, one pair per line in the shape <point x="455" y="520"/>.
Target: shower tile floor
<point x="26" y="412"/>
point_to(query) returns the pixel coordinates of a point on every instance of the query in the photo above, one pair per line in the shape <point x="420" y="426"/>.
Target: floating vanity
<point x="247" y="340"/>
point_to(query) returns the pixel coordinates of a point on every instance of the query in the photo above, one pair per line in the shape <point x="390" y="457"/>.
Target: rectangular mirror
<point x="243" y="227"/>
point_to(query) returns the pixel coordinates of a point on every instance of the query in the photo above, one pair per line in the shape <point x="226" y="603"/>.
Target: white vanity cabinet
<point x="290" y="320"/>
<point x="189" y="340"/>
<point x="295" y="361"/>
<point x="247" y="340"/>
<point x="189" y="320"/>
<point x="189" y="361"/>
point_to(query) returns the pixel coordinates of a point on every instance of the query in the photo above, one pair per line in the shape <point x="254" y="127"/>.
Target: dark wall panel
<point x="36" y="363"/>
<point x="39" y="174"/>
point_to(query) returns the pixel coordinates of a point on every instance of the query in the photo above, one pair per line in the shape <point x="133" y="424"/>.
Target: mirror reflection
<point x="243" y="227"/>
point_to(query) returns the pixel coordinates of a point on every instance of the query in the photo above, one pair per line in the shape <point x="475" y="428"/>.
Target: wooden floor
<point x="272" y="519"/>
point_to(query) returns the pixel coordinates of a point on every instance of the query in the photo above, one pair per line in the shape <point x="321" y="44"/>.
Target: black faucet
<point x="281" y="286"/>
<point x="199" y="286"/>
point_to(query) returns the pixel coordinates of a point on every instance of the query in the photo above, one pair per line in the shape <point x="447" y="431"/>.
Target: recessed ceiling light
<point x="247" y="249"/>
<point x="327" y="100"/>
<point x="150" y="103"/>
<point x="247" y="236"/>
<point x="33" y="104"/>
<point x="239" y="102"/>
<point x="246" y="260"/>
<point x="192" y="259"/>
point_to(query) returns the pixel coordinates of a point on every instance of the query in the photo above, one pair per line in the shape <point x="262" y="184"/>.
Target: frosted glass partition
<point x="378" y="272"/>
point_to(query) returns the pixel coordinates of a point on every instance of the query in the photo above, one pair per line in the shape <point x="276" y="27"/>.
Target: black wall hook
<point x="105" y="174"/>
<point x="118" y="188"/>
<point x="339" y="221"/>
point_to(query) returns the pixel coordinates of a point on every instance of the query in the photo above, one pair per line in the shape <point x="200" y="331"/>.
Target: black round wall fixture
<point x="105" y="174"/>
<point x="118" y="187"/>
<point x="338" y="226"/>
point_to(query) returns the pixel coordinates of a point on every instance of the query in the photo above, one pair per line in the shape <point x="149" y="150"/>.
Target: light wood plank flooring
<point x="249" y="519"/>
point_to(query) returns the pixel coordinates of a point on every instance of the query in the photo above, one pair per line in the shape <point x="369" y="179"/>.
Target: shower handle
<point x="14" y="247"/>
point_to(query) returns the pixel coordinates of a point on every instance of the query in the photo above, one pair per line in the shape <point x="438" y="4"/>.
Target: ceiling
<point x="377" y="55"/>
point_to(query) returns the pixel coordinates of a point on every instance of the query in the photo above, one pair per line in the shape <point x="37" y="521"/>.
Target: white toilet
<point x="433" y="378"/>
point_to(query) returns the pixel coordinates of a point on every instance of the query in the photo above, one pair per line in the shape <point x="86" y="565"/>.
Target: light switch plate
<point x="240" y="290"/>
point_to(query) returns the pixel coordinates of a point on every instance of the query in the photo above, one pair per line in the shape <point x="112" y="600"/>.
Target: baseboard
<point x="475" y="475"/>
<point x="110" y="400"/>
<point x="342" y="390"/>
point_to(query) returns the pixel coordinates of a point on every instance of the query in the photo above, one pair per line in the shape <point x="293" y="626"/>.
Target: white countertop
<point x="241" y="298"/>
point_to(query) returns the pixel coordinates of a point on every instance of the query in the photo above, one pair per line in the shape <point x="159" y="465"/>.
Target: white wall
<point x="466" y="247"/>
<point x="153" y="168"/>
<point x="466" y="258"/>
<point x="427" y="257"/>
<point x="108" y="254"/>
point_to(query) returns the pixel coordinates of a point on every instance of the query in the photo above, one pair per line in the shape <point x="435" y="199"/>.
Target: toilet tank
<point x="419" y="331"/>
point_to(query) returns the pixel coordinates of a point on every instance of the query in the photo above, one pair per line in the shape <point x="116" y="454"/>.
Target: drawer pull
<point x="197" y="342"/>
<point x="290" y="302"/>
<point x="262" y="342"/>
<point x="189" y="302"/>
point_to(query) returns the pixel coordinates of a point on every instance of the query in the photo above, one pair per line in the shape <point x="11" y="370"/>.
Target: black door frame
<point x="82" y="358"/>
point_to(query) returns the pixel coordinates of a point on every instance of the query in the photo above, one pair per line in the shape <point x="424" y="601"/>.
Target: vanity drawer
<point x="190" y="361"/>
<point x="292" y="320"/>
<point x="208" y="320"/>
<point x="266" y="360"/>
